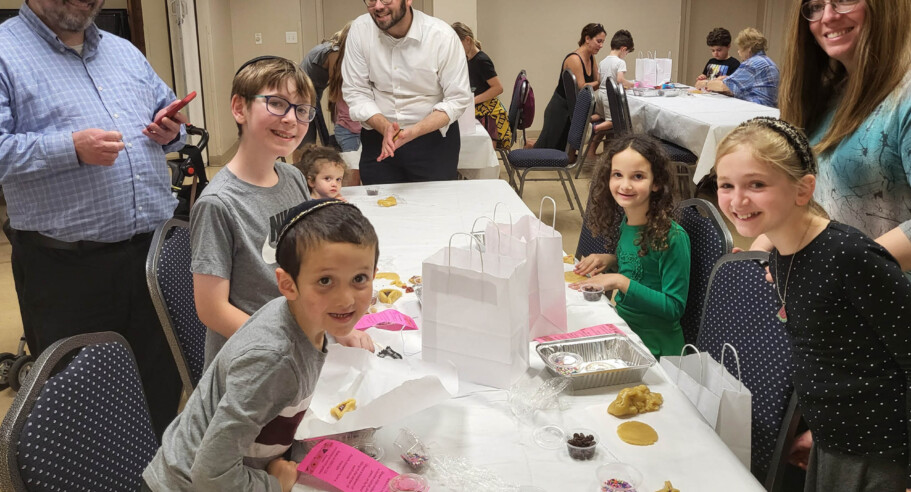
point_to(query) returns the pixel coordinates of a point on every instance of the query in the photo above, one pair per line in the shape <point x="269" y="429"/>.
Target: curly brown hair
<point x="718" y="37"/>
<point x="603" y="218"/>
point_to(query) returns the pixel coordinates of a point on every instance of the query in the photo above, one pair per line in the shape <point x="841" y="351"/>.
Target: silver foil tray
<point x="601" y="348"/>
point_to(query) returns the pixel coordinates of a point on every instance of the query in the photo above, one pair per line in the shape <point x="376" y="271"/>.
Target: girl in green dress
<point x="653" y="252"/>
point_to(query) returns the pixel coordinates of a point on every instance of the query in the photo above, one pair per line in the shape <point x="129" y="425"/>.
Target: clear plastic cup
<point x="408" y="482"/>
<point x="587" y="449"/>
<point x="618" y="477"/>
<point x="592" y="293"/>
<point x="565" y="363"/>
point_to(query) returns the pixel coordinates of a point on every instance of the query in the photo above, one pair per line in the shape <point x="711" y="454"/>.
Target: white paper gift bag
<point x="475" y="314"/>
<point x="647" y="71"/>
<point x="724" y="402"/>
<point x="541" y="246"/>
<point x="663" y="69"/>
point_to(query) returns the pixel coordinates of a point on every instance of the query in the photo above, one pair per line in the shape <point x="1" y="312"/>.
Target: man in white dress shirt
<point x="406" y="80"/>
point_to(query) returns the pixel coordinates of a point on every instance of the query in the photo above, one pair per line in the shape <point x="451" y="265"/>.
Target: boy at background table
<point x="242" y="417"/>
<point x="721" y="64"/>
<point x="234" y="225"/>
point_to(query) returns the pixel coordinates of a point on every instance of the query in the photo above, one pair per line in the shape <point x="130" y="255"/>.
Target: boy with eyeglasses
<point x="235" y="222"/>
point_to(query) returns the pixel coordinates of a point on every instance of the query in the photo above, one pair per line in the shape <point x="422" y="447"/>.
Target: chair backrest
<point x="709" y="241"/>
<point x="740" y="309"/>
<point x="619" y="107"/>
<point x="80" y="421"/>
<point x="568" y="79"/>
<point x="582" y="115"/>
<point x="171" y="287"/>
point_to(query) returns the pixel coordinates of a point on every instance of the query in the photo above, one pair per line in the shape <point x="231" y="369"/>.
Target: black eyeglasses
<point x="280" y="106"/>
<point x="371" y="3"/>
<point x="814" y="9"/>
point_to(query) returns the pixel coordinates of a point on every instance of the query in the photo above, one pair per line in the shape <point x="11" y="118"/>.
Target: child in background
<point x="846" y="304"/>
<point x="613" y="66"/>
<point x="324" y="169"/>
<point x="720" y="64"/>
<point x="347" y="132"/>
<point x="242" y="416"/>
<point x="235" y="222"/>
<point x="653" y="252"/>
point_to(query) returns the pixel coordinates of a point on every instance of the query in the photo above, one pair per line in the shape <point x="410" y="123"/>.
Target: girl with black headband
<point x="844" y="300"/>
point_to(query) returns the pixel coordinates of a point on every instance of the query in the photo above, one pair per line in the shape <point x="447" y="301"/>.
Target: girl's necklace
<point x="782" y="314"/>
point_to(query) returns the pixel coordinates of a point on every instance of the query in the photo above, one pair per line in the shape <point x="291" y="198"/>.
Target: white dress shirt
<point x="405" y="79"/>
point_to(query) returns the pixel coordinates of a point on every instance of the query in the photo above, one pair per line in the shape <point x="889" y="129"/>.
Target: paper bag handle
<point x="449" y="249"/>
<point x="497" y="207"/>
<point x="736" y="359"/>
<point x="499" y="238"/>
<point x="680" y="369"/>
<point x="553" y="225"/>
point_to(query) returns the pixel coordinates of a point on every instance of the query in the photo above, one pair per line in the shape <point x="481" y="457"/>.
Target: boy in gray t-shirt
<point x="234" y="224"/>
<point x="241" y="418"/>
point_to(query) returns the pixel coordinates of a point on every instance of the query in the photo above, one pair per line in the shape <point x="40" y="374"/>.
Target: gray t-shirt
<point x="234" y="226"/>
<point x="245" y="410"/>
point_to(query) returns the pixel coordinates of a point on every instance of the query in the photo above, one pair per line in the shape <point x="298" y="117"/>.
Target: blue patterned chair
<point x="740" y="309"/>
<point x="524" y="161"/>
<point x="80" y="422"/>
<point x="709" y="241"/>
<point x="171" y="287"/>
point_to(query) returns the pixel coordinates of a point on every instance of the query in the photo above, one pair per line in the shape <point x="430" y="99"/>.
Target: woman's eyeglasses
<point x="280" y="106"/>
<point x="814" y="9"/>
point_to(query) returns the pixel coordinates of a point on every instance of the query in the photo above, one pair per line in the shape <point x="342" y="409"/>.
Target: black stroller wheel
<point x="19" y="371"/>
<point x="6" y="363"/>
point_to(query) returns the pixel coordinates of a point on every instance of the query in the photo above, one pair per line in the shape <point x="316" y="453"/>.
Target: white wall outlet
<point x="258" y="38"/>
<point x="291" y="37"/>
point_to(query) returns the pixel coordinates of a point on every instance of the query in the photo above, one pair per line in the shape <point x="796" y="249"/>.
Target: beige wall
<point x="464" y="11"/>
<point x="535" y="35"/>
<point x="216" y="56"/>
<point x="158" y="45"/>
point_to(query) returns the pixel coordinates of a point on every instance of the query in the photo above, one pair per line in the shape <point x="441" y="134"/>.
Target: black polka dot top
<point x="849" y="317"/>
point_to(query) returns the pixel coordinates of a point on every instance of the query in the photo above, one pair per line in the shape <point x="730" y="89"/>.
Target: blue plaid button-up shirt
<point x="755" y="80"/>
<point x="47" y="92"/>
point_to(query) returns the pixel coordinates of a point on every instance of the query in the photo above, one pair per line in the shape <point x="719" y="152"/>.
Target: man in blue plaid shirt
<point x="83" y="170"/>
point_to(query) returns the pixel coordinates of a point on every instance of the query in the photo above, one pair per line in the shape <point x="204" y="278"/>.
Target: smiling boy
<point x="242" y="417"/>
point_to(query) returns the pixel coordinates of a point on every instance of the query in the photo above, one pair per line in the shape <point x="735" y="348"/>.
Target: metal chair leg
<point x="576" y="193"/>
<point x="521" y="178"/>
<point x="565" y="190"/>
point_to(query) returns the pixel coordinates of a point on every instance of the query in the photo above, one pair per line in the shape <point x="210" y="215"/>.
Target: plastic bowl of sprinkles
<point x="618" y="477"/>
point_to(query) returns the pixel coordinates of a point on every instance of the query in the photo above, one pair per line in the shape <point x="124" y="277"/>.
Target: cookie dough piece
<point x="569" y="260"/>
<point x="387" y="202"/>
<point x="388" y="276"/>
<point x="635" y="400"/>
<point x="668" y="487"/>
<point x="637" y="433"/>
<point x="344" y="407"/>
<point x="572" y="277"/>
<point x="389" y="296"/>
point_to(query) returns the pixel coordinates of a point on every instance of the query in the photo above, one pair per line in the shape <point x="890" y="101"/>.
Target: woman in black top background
<point x="486" y="86"/>
<point x="582" y="63"/>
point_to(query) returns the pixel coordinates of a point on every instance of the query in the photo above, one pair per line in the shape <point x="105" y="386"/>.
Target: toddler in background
<point x="324" y="169"/>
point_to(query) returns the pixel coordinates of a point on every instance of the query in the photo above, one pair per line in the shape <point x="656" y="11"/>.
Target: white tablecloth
<point x="477" y="158"/>
<point x="478" y="425"/>
<point x="697" y="122"/>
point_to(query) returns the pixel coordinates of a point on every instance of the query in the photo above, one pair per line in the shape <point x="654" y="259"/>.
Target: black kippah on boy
<point x="297" y="213"/>
<point x="796" y="139"/>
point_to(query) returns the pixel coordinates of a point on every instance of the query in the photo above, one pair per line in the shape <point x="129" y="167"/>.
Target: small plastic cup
<point x="549" y="436"/>
<point x="592" y="293"/>
<point x="373" y="191"/>
<point x="408" y="482"/>
<point x="565" y="363"/>
<point x="581" y="452"/>
<point x="618" y="477"/>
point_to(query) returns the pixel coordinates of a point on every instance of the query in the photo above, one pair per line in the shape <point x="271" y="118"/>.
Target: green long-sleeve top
<point x="659" y="283"/>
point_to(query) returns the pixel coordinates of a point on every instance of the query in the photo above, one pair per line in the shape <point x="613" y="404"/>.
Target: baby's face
<point x="328" y="182"/>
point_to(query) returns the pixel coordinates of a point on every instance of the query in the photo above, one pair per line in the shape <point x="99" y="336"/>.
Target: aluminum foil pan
<point x="607" y="360"/>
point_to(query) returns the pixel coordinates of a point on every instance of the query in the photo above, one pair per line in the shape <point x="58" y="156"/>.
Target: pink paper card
<point x="345" y="468"/>
<point x="389" y="319"/>
<point x="584" y="332"/>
